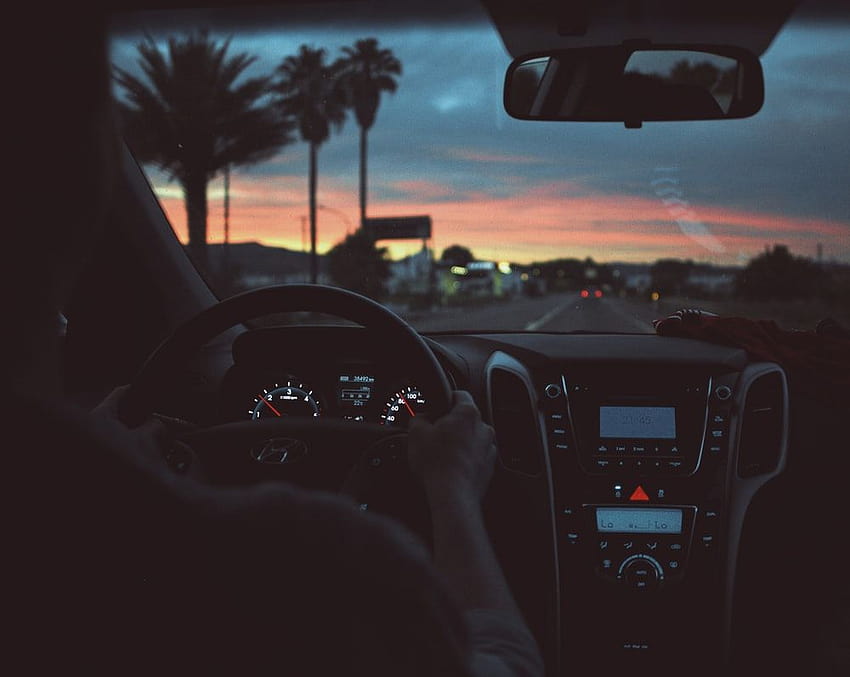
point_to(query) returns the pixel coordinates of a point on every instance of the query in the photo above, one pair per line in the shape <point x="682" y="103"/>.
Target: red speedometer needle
<point x="404" y="402"/>
<point x="264" y="400"/>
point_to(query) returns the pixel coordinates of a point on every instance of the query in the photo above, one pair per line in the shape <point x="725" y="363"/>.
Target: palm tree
<point x="309" y="90"/>
<point x="366" y="71"/>
<point x="192" y="119"/>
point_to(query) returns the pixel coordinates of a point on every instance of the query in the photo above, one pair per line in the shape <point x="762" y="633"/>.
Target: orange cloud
<point x="547" y="221"/>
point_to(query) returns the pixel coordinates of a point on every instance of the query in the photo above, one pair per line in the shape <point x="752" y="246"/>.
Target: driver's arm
<point x="454" y="457"/>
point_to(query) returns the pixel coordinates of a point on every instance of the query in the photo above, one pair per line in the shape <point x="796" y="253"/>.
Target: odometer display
<point x="401" y="406"/>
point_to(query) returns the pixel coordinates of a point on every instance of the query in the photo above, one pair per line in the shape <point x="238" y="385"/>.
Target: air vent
<point x="763" y="423"/>
<point x="515" y="421"/>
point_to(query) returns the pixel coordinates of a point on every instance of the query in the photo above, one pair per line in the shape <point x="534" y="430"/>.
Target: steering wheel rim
<point x="139" y="400"/>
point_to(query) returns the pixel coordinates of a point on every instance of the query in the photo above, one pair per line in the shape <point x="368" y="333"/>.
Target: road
<point x="554" y="312"/>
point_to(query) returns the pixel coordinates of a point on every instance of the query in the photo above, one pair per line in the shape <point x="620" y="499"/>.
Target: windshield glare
<point x="379" y="157"/>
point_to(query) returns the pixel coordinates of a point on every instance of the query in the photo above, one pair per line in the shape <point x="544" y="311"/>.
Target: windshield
<point x="376" y="154"/>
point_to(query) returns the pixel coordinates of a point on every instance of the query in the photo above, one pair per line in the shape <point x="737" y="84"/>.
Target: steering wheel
<point x="325" y="452"/>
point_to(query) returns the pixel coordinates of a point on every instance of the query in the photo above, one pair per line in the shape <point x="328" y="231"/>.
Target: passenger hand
<point x="455" y="453"/>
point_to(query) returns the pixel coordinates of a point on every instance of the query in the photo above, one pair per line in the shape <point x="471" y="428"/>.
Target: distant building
<point x="637" y="282"/>
<point x="410" y="275"/>
<point x="711" y="280"/>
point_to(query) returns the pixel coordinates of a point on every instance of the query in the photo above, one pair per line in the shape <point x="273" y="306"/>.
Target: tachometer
<point x="290" y="398"/>
<point x="401" y="406"/>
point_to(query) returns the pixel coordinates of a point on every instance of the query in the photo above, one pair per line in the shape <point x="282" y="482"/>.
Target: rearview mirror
<point x="631" y="84"/>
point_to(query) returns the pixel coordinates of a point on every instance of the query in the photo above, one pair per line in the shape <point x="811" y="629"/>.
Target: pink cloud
<point x="553" y="220"/>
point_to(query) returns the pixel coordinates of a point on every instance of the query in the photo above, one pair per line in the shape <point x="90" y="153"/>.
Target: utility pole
<point x="226" y="257"/>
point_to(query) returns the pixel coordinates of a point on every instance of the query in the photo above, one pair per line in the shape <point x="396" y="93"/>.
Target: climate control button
<point x="641" y="572"/>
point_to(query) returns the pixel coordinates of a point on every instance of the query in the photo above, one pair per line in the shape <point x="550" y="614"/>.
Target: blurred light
<point x="524" y="277"/>
<point x="598" y="293"/>
<point x="481" y="265"/>
<point x="655" y="296"/>
<point x="504" y="267"/>
<point x="585" y="293"/>
<point x="458" y="270"/>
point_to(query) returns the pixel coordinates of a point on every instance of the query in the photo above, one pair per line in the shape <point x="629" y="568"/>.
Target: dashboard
<point x="627" y="465"/>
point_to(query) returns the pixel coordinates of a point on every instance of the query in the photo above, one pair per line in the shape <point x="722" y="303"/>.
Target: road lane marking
<point x="539" y="322"/>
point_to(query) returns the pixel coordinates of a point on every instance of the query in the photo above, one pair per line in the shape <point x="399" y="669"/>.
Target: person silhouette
<point x="119" y="565"/>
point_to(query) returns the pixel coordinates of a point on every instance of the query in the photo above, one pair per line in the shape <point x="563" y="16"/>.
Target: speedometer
<point x="290" y="398"/>
<point x="401" y="406"/>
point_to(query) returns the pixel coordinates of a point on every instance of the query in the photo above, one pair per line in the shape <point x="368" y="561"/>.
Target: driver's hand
<point x="154" y="440"/>
<point x="456" y="453"/>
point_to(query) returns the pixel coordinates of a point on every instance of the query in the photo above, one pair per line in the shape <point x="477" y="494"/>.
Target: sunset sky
<point x="523" y="191"/>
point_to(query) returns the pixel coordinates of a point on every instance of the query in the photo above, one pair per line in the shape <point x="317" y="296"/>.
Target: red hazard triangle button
<point x="639" y="494"/>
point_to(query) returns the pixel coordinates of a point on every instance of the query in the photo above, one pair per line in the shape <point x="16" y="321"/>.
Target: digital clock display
<point x="639" y="520"/>
<point x="638" y="423"/>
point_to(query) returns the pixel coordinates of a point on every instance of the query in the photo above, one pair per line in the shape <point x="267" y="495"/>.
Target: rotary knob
<point x="641" y="572"/>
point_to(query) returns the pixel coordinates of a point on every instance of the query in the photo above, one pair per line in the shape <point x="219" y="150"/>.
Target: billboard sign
<point x="399" y="228"/>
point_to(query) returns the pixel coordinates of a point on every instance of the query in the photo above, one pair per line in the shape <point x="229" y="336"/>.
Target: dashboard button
<point x="552" y="391"/>
<point x="723" y="392"/>
<point x="674" y="466"/>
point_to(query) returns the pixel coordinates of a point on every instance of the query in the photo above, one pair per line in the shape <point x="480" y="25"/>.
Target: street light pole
<point x="226" y="256"/>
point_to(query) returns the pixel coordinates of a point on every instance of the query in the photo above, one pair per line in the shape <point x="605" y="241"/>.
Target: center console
<point x="639" y="464"/>
<point x="631" y="463"/>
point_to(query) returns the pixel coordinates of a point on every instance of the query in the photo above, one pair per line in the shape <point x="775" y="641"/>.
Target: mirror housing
<point x="635" y="82"/>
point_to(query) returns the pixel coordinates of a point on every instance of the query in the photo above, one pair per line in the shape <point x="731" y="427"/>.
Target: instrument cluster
<point x="357" y="395"/>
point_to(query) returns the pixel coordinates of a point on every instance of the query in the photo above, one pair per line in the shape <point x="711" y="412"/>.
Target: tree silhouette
<point x="192" y="119"/>
<point x="310" y="92"/>
<point x="669" y="276"/>
<point x="777" y="274"/>
<point x="457" y="255"/>
<point x="357" y="264"/>
<point x="366" y="71"/>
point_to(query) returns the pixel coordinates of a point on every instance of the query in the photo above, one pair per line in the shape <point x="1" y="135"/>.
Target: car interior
<point x="661" y="504"/>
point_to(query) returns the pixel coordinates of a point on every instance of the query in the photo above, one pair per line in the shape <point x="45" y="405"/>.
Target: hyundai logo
<point x="280" y="450"/>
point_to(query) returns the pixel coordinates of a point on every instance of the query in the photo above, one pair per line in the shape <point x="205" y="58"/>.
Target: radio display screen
<point x="656" y="423"/>
<point x="639" y="520"/>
